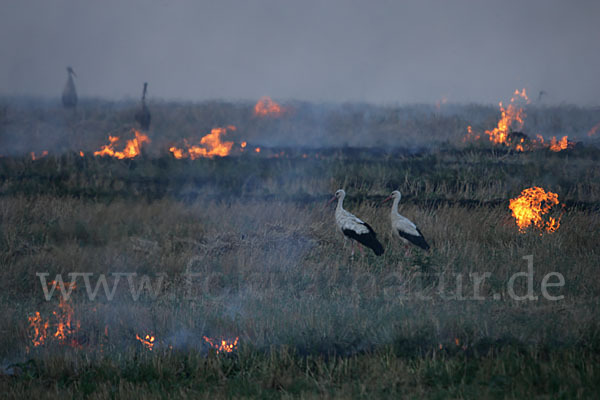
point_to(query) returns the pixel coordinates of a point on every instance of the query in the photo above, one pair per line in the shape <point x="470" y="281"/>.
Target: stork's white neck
<point x="340" y="203"/>
<point x="395" y="205"/>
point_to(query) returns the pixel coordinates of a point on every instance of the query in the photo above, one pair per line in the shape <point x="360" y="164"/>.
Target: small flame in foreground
<point x="34" y="157"/>
<point x="529" y="208"/>
<point x="257" y="149"/>
<point x="243" y="145"/>
<point x="131" y="150"/>
<point x="39" y="329"/>
<point x="224" y="347"/>
<point x="267" y="107"/>
<point x="64" y="326"/>
<point x="594" y="130"/>
<point x="212" y="146"/>
<point x="147" y="341"/>
<point x="81" y="154"/>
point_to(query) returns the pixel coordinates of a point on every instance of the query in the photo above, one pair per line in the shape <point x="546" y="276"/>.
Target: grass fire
<point x="132" y="149"/>
<point x="265" y="107"/>
<point x="530" y="209"/>
<point x="382" y="227"/>
<point x="210" y="146"/>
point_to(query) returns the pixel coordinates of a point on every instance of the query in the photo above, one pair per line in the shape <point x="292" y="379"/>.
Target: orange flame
<point x="257" y="149"/>
<point x="224" y="347"/>
<point x="212" y="146"/>
<point x="561" y="144"/>
<point x="439" y="103"/>
<point x="267" y="107"/>
<point x="529" y="208"/>
<point x="243" y="145"/>
<point x="509" y="115"/>
<point x="514" y="116"/>
<point x="594" y="130"/>
<point x="34" y="157"/>
<point x="147" y="341"/>
<point x="81" y="154"/>
<point x="39" y="329"/>
<point x="132" y="149"/>
<point x="64" y="322"/>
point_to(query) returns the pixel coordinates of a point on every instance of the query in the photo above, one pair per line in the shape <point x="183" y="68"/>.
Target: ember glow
<point x="594" y="130"/>
<point x="210" y="146"/>
<point x="34" y="157"/>
<point x="224" y="346"/>
<point x="147" y="341"/>
<point x="530" y="209"/>
<point x="267" y="107"/>
<point x="132" y="149"/>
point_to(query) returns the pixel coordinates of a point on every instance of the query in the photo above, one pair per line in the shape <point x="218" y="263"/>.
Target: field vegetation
<point x="312" y="320"/>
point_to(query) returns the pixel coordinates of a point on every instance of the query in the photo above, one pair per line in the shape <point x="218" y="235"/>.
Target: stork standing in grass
<point x="402" y="227"/>
<point x="69" y="95"/>
<point x="353" y="227"/>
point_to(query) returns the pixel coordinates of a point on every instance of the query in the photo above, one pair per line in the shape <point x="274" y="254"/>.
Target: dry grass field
<point x="311" y="320"/>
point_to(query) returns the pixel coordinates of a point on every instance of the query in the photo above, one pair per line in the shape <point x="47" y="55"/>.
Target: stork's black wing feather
<point x="414" y="239"/>
<point x="368" y="239"/>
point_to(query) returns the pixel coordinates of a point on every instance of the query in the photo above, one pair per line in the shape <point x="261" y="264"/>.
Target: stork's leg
<point x="352" y="248"/>
<point x="360" y="249"/>
<point x="407" y="250"/>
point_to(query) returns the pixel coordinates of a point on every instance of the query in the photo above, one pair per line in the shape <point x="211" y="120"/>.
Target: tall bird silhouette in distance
<point x="142" y="116"/>
<point x="540" y="95"/>
<point x="69" y="95"/>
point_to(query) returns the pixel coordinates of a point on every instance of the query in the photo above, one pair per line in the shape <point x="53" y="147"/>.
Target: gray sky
<point x="375" y="51"/>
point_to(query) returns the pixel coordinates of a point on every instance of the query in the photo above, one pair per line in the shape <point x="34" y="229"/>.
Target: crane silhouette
<point x="142" y="116"/>
<point x="69" y="95"/>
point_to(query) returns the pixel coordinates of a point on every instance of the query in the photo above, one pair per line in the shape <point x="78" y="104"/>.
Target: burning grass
<point x="508" y="131"/>
<point x="210" y="146"/>
<point x="280" y="305"/>
<point x="530" y="209"/>
<point x="265" y="107"/>
<point x="133" y="147"/>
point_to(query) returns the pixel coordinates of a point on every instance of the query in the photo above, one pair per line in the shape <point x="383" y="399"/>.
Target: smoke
<point x="409" y="51"/>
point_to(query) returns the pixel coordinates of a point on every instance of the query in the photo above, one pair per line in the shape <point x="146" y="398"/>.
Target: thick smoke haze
<point x="380" y="52"/>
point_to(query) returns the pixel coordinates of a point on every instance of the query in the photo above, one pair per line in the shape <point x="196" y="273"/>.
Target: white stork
<point x="353" y="227"/>
<point x="403" y="227"/>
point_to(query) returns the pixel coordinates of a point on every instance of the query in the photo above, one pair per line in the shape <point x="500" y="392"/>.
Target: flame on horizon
<point x="210" y="146"/>
<point x="267" y="107"/>
<point x="42" y="155"/>
<point x="132" y="149"/>
<point x="594" y="130"/>
<point x="512" y="119"/>
<point x="509" y="116"/>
